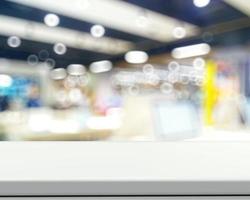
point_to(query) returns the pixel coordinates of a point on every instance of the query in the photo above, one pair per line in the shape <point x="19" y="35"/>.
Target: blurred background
<point x="132" y="70"/>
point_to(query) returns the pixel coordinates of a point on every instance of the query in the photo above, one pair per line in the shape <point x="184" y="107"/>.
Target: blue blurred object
<point x="4" y="103"/>
<point x="19" y="89"/>
<point x="33" y="103"/>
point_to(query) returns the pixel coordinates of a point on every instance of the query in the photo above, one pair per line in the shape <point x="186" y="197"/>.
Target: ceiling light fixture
<point x="97" y="31"/>
<point x="201" y="3"/>
<point x="136" y="57"/>
<point x="51" y="20"/>
<point x="101" y="66"/>
<point x="76" y="69"/>
<point x="60" y="48"/>
<point x="191" y="51"/>
<point x="14" y="41"/>
<point x="58" y="74"/>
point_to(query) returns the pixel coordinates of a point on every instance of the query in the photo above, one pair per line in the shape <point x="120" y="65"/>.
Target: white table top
<point x="100" y="167"/>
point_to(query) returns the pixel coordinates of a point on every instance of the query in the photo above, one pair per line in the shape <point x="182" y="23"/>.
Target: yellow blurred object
<point x="210" y="92"/>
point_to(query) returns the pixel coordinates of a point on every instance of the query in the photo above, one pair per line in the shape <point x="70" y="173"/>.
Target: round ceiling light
<point x="51" y="20"/>
<point x="201" y="3"/>
<point x="97" y="31"/>
<point x="14" y="41"/>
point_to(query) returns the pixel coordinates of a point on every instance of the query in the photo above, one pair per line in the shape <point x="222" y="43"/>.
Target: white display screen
<point x="176" y="120"/>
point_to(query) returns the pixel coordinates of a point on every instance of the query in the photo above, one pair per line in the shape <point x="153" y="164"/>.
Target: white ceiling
<point x="117" y="15"/>
<point x="241" y="5"/>
<point x="39" y="32"/>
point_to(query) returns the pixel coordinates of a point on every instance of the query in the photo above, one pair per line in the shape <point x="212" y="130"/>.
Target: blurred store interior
<point x="124" y="70"/>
